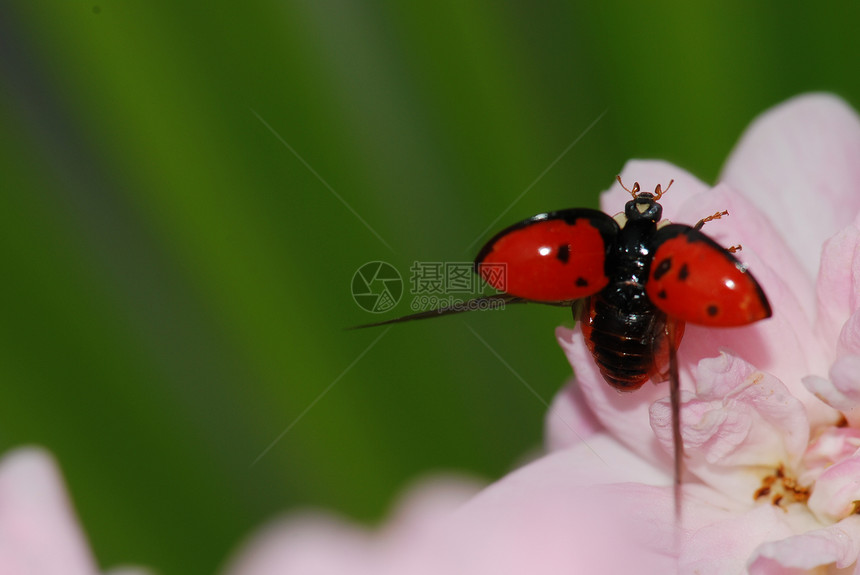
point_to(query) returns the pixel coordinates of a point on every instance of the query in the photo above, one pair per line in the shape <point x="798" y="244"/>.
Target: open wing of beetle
<point x="552" y="257"/>
<point x="694" y="279"/>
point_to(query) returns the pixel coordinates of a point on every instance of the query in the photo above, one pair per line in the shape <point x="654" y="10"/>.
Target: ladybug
<point x="632" y="280"/>
<point x="637" y="279"/>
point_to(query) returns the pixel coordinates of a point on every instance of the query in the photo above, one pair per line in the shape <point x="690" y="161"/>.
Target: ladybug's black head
<point x="643" y="208"/>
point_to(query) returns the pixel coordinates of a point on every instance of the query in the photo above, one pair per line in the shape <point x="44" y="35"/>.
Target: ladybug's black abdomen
<point x="623" y="338"/>
<point x="623" y="329"/>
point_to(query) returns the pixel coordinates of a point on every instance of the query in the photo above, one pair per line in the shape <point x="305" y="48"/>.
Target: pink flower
<point x="39" y="534"/>
<point x="770" y="414"/>
<point x="38" y="530"/>
<point x="773" y="475"/>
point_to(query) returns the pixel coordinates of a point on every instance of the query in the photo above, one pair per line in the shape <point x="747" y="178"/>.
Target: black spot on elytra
<point x="662" y="267"/>
<point x="563" y="253"/>
<point x="712" y="310"/>
<point x="661" y="294"/>
<point x="581" y="282"/>
<point x="683" y="272"/>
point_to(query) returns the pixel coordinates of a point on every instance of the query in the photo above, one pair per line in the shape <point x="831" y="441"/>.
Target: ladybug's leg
<point x="675" y="400"/>
<point x="716" y="216"/>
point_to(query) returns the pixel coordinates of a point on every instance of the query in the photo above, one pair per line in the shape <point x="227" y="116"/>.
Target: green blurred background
<point x="176" y="280"/>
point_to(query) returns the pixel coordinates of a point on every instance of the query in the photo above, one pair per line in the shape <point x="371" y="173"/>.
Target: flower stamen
<point x="784" y="489"/>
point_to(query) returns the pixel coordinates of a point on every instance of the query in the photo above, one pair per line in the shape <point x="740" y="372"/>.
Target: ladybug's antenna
<point x="635" y="191"/>
<point x="658" y="192"/>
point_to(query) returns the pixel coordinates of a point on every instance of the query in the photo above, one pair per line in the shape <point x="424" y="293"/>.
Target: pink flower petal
<point x="738" y="417"/>
<point x="567" y="513"/>
<point x="838" y="324"/>
<point x="842" y="390"/>
<point x="39" y="534"/>
<point x="824" y="390"/>
<point x="322" y="544"/>
<point x="624" y="415"/>
<point x="845" y="375"/>
<point x="849" y="336"/>
<point x="554" y="515"/>
<point x="831" y="446"/>
<point x="725" y="543"/>
<point x="837" y="490"/>
<point x="838" y="284"/>
<point x="569" y="420"/>
<point x="801" y="156"/>
<point x="837" y="545"/>
<point x="309" y="543"/>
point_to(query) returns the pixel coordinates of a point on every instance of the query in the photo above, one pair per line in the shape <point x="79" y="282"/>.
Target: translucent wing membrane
<point x="481" y="303"/>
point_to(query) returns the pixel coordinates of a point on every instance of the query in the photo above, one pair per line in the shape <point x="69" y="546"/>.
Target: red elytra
<point x="633" y="279"/>
<point x="695" y="279"/>
<point x="552" y="257"/>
